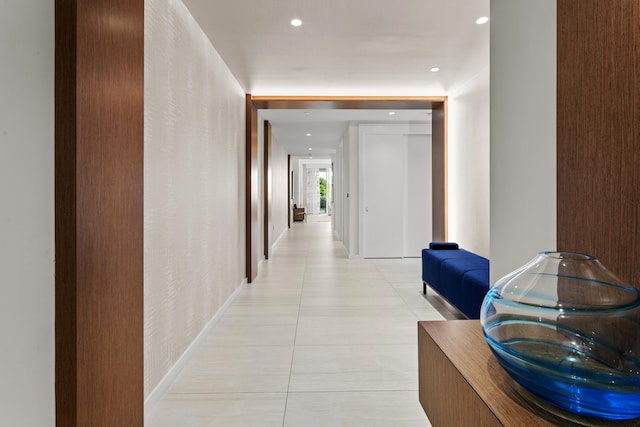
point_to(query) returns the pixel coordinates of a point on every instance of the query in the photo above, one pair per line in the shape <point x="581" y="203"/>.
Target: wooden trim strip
<point x="251" y="180"/>
<point x="66" y="352"/>
<point x="439" y="180"/>
<point x="341" y="102"/>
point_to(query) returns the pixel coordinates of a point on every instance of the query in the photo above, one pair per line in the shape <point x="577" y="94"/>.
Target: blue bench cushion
<point x="475" y="285"/>
<point x="432" y="259"/>
<point x="451" y="273"/>
<point x="460" y="276"/>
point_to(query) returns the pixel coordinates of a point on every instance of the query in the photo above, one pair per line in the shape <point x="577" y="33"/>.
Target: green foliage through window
<point x="323" y="187"/>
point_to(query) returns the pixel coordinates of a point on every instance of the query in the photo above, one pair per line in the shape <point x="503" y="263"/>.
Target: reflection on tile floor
<point x="317" y="340"/>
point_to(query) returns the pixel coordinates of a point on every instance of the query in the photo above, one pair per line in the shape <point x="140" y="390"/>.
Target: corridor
<point x="317" y="340"/>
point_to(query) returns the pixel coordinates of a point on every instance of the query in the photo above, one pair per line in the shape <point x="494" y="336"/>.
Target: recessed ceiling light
<point x="308" y="134"/>
<point x="306" y="113"/>
<point x="434" y="69"/>
<point x="296" y="22"/>
<point x="392" y="113"/>
<point x="482" y="20"/>
<point x="310" y="148"/>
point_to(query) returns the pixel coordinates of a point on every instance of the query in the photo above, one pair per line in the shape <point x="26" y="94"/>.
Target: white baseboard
<point x="162" y="387"/>
<point x="284" y="233"/>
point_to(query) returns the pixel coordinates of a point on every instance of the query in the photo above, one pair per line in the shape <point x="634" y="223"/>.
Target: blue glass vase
<point x="568" y="331"/>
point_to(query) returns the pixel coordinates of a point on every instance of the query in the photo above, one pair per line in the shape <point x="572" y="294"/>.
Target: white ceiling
<point x="344" y="48"/>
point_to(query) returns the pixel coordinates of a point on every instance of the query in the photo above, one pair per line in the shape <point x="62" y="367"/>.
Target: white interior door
<point x="383" y="202"/>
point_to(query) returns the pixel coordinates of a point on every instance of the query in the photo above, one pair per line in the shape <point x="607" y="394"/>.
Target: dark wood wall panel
<point x="347" y="102"/>
<point x="99" y="212"/>
<point x="598" y="132"/>
<point x="66" y="362"/>
<point x="252" y="221"/>
<point x="439" y="171"/>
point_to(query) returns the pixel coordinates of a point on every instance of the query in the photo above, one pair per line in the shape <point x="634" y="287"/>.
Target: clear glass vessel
<point x="567" y="330"/>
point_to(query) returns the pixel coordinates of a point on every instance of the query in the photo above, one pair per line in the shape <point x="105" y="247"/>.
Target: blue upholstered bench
<point x="459" y="276"/>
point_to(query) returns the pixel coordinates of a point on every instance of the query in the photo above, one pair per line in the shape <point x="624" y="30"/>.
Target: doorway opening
<point x="322" y="183"/>
<point x="348" y="206"/>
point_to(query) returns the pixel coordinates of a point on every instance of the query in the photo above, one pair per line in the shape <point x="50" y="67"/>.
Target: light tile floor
<point x="317" y="340"/>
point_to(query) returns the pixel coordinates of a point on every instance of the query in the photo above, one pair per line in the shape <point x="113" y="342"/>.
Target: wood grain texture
<point x="446" y="397"/>
<point x="462" y="384"/>
<point x="598" y="132"/>
<point x="99" y="216"/>
<point x="439" y="171"/>
<point x="252" y="221"/>
<point x="347" y="102"/>
<point x="66" y="369"/>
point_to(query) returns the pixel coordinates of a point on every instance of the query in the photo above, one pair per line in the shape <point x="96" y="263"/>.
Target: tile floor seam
<point x="354" y="345"/>
<point x="216" y="393"/>
<point x="295" y="335"/>
<point x="395" y="390"/>
<point x="392" y="287"/>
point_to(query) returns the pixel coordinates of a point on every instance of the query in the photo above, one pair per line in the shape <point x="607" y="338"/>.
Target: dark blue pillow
<point x="443" y="245"/>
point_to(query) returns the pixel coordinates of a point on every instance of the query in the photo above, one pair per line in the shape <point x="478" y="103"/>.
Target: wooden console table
<point x="461" y="383"/>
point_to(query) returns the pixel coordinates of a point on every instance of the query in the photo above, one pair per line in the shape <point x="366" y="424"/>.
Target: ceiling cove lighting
<point x="482" y="20"/>
<point x="296" y="22"/>
<point x="434" y="69"/>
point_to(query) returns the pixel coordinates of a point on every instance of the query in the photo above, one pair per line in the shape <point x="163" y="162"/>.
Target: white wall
<point x="523" y="132"/>
<point x="347" y="200"/>
<point x="346" y="190"/>
<point x="194" y="209"/>
<point x="27" y="215"/>
<point x="468" y="165"/>
<point x="352" y="205"/>
<point x="338" y="192"/>
<point x="279" y="182"/>
<point x="418" y="220"/>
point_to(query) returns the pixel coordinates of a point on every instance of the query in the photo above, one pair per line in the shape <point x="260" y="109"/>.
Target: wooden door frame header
<point x="347" y="102"/>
